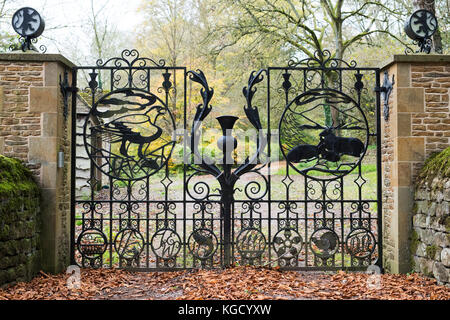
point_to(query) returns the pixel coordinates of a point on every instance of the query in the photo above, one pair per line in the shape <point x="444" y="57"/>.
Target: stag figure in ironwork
<point x="302" y="152"/>
<point x="310" y="152"/>
<point x="341" y="145"/>
<point x="330" y="146"/>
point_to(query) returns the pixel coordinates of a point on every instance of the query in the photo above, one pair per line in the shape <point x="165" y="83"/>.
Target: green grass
<point x="365" y="168"/>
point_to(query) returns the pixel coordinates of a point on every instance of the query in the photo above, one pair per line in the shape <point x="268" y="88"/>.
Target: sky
<point x="64" y="19"/>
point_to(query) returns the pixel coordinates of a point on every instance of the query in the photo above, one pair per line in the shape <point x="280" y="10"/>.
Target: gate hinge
<point x="66" y="90"/>
<point x="386" y="90"/>
<point x="379" y="89"/>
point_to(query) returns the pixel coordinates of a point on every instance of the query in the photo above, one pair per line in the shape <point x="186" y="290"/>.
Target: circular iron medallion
<point x="421" y="24"/>
<point x="27" y="22"/>
<point x="251" y="243"/>
<point x="124" y="134"/>
<point x="166" y="244"/>
<point x="129" y="244"/>
<point x="202" y="244"/>
<point x="287" y="243"/>
<point x="92" y="243"/>
<point x="360" y="243"/>
<point x="323" y="134"/>
<point x="324" y="243"/>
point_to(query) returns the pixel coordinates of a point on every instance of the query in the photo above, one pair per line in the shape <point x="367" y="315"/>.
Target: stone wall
<point x="431" y="82"/>
<point x="34" y="130"/>
<point x="18" y="123"/>
<point x="19" y="223"/>
<point x="430" y="238"/>
<point x="418" y="125"/>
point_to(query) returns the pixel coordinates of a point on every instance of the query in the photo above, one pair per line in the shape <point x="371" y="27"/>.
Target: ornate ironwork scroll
<point x="328" y="121"/>
<point x="227" y="178"/>
<point x="305" y="197"/>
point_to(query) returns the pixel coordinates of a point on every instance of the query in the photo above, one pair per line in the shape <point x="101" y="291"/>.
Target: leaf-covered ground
<point x="234" y="283"/>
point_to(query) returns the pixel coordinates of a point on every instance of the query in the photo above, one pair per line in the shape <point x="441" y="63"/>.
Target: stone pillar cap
<point x="33" y="56"/>
<point x="416" y="58"/>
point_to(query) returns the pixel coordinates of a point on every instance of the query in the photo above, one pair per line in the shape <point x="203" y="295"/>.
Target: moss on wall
<point x="431" y="220"/>
<point x="437" y="164"/>
<point x="431" y="251"/>
<point x="414" y="242"/>
<point x="15" y="178"/>
<point x="19" y="222"/>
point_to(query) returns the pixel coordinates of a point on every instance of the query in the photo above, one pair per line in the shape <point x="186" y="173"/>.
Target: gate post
<point x="34" y="129"/>
<point x="418" y="125"/>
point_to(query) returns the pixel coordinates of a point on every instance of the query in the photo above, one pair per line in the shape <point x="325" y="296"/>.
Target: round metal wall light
<point x="28" y="23"/>
<point x="420" y="26"/>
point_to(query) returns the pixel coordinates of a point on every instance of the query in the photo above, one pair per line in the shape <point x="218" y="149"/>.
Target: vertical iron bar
<point x="147" y="197"/>
<point x="93" y="178"/>
<point x="232" y="237"/>
<point x="147" y="226"/>
<point x="379" y="181"/>
<point x="184" y="169"/>
<point x="73" y="166"/>
<point x="269" y="196"/>
<point x="111" y="221"/>
<point x="221" y="220"/>
<point x="360" y="193"/>
<point x="227" y="202"/>
<point x="306" y="220"/>
<point x="342" y="222"/>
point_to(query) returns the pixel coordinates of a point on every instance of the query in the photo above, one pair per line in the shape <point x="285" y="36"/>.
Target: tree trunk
<point x="331" y="113"/>
<point x="332" y="77"/>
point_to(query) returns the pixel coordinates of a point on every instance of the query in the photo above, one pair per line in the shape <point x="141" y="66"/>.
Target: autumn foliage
<point x="234" y="283"/>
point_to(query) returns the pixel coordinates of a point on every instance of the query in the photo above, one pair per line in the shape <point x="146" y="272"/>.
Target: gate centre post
<point x="227" y="143"/>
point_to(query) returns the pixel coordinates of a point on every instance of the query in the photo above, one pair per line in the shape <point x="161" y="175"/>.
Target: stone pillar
<point x="418" y="125"/>
<point x="33" y="129"/>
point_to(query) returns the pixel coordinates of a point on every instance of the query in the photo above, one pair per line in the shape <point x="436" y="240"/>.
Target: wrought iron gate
<point x="305" y="195"/>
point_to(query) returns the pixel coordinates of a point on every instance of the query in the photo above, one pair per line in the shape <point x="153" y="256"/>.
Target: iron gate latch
<point x="386" y="90"/>
<point x="66" y="90"/>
